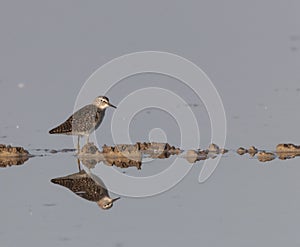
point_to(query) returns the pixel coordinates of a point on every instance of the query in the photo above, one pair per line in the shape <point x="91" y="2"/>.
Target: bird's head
<point x="102" y="102"/>
<point x="106" y="202"/>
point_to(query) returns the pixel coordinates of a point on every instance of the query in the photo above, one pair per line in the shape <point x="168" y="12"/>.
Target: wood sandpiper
<point x="87" y="187"/>
<point x="84" y="121"/>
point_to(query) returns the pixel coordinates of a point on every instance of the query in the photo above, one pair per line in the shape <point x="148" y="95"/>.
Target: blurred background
<point x="251" y="52"/>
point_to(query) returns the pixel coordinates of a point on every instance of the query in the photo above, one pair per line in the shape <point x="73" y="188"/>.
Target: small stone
<point x="89" y="148"/>
<point x="12" y="151"/>
<point x="287" y="147"/>
<point x="191" y="156"/>
<point x="264" y="156"/>
<point x="252" y="150"/>
<point x="67" y="150"/>
<point x="213" y="148"/>
<point x="223" y="151"/>
<point x="241" y="151"/>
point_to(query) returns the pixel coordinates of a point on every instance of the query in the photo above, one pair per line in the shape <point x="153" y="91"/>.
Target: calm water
<point x="251" y="53"/>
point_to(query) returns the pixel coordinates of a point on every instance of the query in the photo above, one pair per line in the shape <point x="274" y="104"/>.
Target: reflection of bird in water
<point x="85" y="120"/>
<point x="86" y="187"/>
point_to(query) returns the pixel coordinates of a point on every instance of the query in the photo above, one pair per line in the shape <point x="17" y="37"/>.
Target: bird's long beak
<point x="115" y="199"/>
<point x="112" y="105"/>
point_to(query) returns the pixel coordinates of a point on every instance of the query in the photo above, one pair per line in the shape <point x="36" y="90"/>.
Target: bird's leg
<point x="78" y="163"/>
<point x="78" y="146"/>
<point x="87" y="139"/>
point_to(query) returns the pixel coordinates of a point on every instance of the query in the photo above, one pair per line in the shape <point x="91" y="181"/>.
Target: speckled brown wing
<point x="82" y="185"/>
<point x="81" y="122"/>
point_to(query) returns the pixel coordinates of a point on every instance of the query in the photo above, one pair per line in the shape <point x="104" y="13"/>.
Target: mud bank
<point x="126" y="155"/>
<point x="9" y="151"/>
<point x="283" y="151"/>
<point x="11" y="156"/>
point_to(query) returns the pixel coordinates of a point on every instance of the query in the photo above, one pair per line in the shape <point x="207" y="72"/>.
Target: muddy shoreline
<point x="131" y="155"/>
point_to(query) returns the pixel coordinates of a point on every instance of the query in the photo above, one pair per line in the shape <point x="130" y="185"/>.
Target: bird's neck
<point x="101" y="110"/>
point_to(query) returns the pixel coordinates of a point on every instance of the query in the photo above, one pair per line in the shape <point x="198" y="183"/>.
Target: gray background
<point x="251" y="52"/>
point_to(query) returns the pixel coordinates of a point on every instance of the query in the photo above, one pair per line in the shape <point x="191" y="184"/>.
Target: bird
<point x="85" y="186"/>
<point x="84" y="121"/>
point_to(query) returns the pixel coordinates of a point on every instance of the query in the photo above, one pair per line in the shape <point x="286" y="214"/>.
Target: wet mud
<point x="132" y="155"/>
<point x="9" y="151"/>
<point x="283" y="151"/>
<point x="13" y="156"/>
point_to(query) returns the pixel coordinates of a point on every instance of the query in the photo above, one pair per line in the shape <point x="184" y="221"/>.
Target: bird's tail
<point x="55" y="130"/>
<point x="63" y="128"/>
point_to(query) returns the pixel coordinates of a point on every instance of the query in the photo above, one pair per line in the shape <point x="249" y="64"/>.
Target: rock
<point x="223" y="151"/>
<point x="287" y="148"/>
<point x="252" y="150"/>
<point x="213" y="148"/>
<point x="126" y="155"/>
<point x="153" y="149"/>
<point x="175" y="151"/>
<point x="9" y="151"/>
<point x="11" y="156"/>
<point x="89" y="149"/>
<point x="264" y="156"/>
<point x="191" y="156"/>
<point x="241" y="151"/>
<point x="287" y="151"/>
<point x="67" y="150"/>
<point x="203" y="155"/>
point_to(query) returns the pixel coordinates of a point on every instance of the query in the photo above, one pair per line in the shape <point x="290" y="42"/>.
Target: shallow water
<point x="37" y="210"/>
<point x="251" y="53"/>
